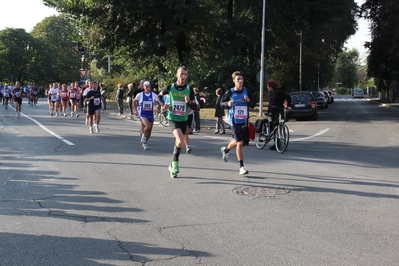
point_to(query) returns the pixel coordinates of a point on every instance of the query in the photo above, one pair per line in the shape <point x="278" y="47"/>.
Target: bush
<point x="341" y="91"/>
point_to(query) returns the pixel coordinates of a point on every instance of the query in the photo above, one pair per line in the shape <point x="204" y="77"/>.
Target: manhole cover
<point x="262" y="191"/>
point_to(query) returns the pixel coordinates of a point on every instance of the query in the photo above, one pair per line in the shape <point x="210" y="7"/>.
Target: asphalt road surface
<point x="71" y="198"/>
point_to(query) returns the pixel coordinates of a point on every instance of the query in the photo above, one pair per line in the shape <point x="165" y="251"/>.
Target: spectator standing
<point x="104" y="94"/>
<point x="219" y="113"/>
<point x="130" y="97"/>
<point x="197" y="120"/>
<point x="276" y="103"/>
<point x="119" y="98"/>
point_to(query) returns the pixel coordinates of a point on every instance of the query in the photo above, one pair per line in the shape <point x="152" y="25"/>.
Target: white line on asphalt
<point x="48" y="130"/>
<point x="321" y="132"/>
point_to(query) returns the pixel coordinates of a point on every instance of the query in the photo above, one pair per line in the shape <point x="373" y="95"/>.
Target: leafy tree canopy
<point x="215" y="38"/>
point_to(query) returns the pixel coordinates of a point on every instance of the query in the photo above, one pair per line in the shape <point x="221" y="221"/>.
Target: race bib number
<point x="54" y="97"/>
<point x="240" y="112"/>
<point x="17" y="94"/>
<point x="97" y="101"/>
<point x="34" y="92"/>
<point x="147" y="105"/>
<point x="179" y="108"/>
<point x="72" y="95"/>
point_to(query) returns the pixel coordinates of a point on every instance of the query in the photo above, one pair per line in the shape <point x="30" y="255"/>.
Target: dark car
<point x="303" y="106"/>
<point x="321" y="101"/>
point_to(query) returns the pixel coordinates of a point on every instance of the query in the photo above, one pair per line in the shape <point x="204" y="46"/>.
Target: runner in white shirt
<point x="85" y="92"/>
<point x="54" y="104"/>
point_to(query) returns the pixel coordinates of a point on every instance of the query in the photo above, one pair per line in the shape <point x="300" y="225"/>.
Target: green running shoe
<point x="174" y="169"/>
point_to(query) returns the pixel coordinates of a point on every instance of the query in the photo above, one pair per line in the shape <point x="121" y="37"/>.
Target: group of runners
<point x="181" y="99"/>
<point x="14" y="93"/>
<point x="63" y="97"/>
<point x="177" y="99"/>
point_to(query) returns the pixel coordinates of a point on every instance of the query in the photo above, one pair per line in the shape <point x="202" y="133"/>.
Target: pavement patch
<point x="261" y="191"/>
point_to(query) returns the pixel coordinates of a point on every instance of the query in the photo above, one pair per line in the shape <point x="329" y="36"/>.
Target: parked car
<point x="327" y="96"/>
<point x="357" y="93"/>
<point x="331" y="96"/>
<point x="303" y="106"/>
<point x="321" y="101"/>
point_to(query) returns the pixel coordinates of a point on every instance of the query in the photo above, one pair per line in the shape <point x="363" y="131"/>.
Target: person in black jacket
<point x="277" y="97"/>
<point x="119" y="99"/>
<point x="219" y="113"/>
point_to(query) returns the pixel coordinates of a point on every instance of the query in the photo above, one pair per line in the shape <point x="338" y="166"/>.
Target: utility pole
<point x="262" y="60"/>
<point x="300" y="60"/>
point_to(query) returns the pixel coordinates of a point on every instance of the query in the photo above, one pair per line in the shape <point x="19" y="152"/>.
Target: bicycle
<point x="163" y="118"/>
<point x="280" y="134"/>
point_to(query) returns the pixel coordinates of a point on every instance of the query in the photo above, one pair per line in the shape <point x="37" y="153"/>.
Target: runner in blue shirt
<point x="145" y="101"/>
<point x="237" y="100"/>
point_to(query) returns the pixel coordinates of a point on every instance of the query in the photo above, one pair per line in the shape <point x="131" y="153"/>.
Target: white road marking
<point x="48" y="130"/>
<point x="321" y="132"/>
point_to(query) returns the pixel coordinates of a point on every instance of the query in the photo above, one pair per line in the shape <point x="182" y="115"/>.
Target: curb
<point x="393" y="106"/>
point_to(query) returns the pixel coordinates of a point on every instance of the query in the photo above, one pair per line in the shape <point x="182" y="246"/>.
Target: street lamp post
<point x="262" y="61"/>
<point x="300" y="60"/>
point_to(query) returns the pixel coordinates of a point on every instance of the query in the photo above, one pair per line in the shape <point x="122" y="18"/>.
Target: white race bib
<point x="147" y="105"/>
<point x="179" y="108"/>
<point x="97" y="101"/>
<point x="240" y="112"/>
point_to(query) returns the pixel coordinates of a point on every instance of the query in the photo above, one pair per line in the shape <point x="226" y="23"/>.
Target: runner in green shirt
<point x="181" y="97"/>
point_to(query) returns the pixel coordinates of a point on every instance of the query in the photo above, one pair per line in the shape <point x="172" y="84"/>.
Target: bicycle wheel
<point x="260" y="140"/>
<point x="282" y="137"/>
<point x="163" y="119"/>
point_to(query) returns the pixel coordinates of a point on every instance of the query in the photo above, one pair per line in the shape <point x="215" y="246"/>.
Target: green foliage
<point x="342" y="91"/>
<point x="58" y="33"/>
<point x="151" y="39"/>
<point x="383" y="60"/>
<point x="20" y="55"/>
<point x="346" y="68"/>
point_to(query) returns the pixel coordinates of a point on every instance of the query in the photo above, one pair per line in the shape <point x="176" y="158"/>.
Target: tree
<point x="16" y="54"/>
<point x="346" y="68"/>
<point x="214" y="38"/>
<point x="383" y="60"/>
<point x="58" y="33"/>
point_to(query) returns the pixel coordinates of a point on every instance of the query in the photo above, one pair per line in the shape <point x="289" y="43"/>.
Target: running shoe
<point x="97" y="128"/>
<point x="16" y="114"/>
<point x="91" y="130"/>
<point x="77" y="115"/>
<point x="56" y="114"/>
<point x="51" y="113"/>
<point x="145" y="146"/>
<point x="243" y="170"/>
<point x="143" y="139"/>
<point x="188" y="149"/>
<point x="72" y="114"/>
<point x="174" y="169"/>
<point x="65" y="115"/>
<point x="225" y="155"/>
<point x="86" y="122"/>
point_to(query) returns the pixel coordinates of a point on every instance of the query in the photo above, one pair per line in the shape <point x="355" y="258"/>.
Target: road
<point x="71" y="198"/>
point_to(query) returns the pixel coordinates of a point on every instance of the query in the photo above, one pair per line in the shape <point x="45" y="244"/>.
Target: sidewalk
<point x="394" y="106"/>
